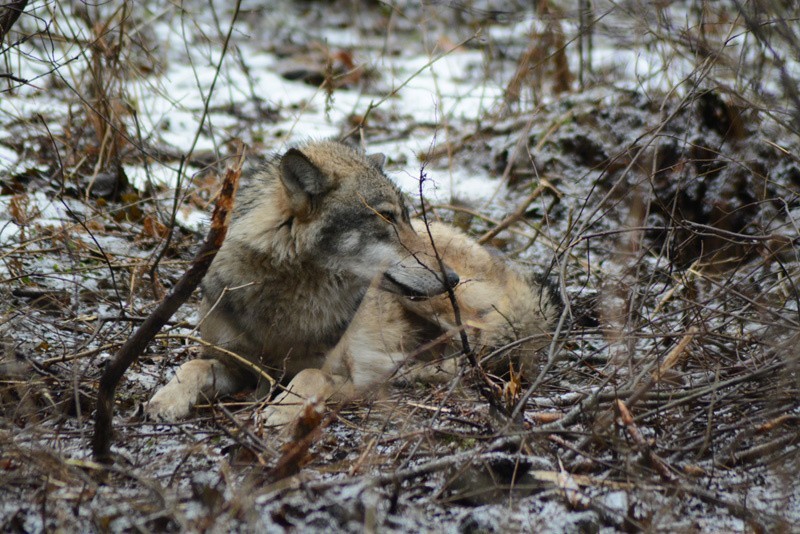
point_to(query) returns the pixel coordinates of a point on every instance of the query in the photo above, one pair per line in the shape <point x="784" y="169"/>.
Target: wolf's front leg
<point x="307" y="384"/>
<point x="195" y="381"/>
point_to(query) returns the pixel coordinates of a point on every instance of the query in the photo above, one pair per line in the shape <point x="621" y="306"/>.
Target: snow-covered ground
<point x="431" y="82"/>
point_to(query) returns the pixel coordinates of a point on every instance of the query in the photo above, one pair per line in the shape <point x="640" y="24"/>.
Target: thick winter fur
<point x="324" y="278"/>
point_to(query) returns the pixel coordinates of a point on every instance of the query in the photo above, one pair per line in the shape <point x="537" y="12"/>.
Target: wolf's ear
<point x="303" y="180"/>
<point x="377" y="159"/>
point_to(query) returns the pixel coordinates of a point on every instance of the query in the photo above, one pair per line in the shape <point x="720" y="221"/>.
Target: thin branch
<point x="188" y="156"/>
<point x="485" y="387"/>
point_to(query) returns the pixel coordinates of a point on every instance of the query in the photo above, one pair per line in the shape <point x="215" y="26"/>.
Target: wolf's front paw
<point x="168" y="406"/>
<point x="277" y="415"/>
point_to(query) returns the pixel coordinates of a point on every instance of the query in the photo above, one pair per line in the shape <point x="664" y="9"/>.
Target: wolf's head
<point x="344" y="211"/>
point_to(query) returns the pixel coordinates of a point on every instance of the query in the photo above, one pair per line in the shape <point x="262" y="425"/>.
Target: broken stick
<point x="127" y="354"/>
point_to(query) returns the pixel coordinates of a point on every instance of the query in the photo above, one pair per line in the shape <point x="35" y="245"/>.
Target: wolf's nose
<point x="451" y="278"/>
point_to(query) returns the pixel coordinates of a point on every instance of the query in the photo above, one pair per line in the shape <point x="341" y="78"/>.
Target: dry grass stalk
<point x="547" y="47"/>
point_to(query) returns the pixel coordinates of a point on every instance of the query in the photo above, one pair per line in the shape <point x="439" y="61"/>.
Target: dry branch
<point x="518" y="214"/>
<point x="305" y="430"/>
<point x="101" y="440"/>
<point x="633" y="431"/>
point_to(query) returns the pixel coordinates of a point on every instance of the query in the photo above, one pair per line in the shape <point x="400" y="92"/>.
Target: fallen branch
<point x="759" y="452"/>
<point x="103" y="423"/>
<point x="674" y="355"/>
<point x="633" y="431"/>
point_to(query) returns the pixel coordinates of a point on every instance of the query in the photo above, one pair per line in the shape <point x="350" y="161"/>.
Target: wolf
<point x="507" y="315"/>
<point x="325" y="278"/>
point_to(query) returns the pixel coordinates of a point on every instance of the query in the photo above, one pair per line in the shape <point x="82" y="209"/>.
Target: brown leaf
<point x="152" y="227"/>
<point x="305" y="430"/>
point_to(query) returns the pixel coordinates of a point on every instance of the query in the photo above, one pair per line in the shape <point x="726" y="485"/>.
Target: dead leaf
<point x="152" y="227"/>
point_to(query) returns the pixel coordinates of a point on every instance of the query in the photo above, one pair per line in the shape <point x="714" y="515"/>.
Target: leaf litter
<point x="668" y="214"/>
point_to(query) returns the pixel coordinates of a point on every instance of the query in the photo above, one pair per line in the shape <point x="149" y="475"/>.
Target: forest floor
<point x="646" y="159"/>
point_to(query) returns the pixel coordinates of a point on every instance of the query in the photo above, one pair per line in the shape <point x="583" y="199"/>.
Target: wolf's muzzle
<point x="451" y="278"/>
<point x="419" y="281"/>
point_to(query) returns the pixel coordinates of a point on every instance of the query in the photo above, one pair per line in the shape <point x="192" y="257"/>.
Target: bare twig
<point x="188" y="156"/>
<point x="518" y="214"/>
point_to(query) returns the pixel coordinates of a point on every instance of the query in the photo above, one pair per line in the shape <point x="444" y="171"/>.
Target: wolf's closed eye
<point x="389" y="216"/>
